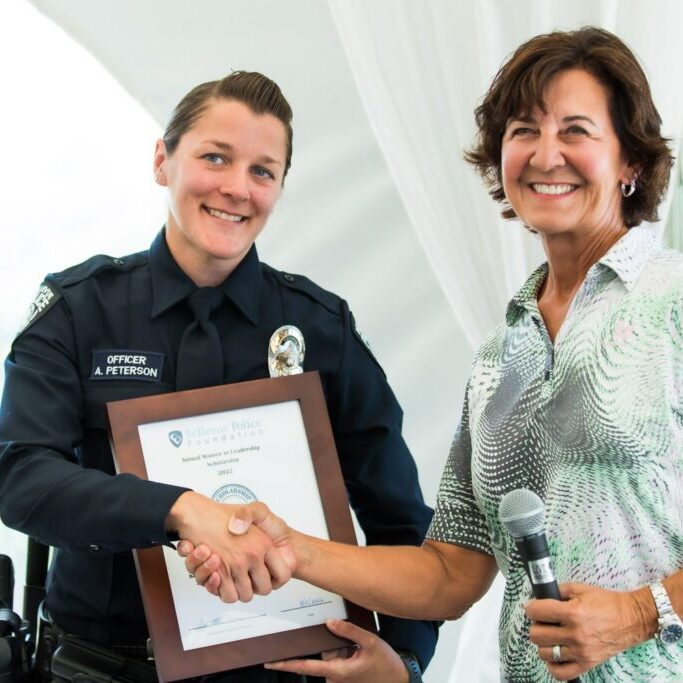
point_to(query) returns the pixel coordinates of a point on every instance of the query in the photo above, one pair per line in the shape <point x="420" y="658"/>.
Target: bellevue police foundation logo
<point x="176" y="437"/>
<point x="233" y="493"/>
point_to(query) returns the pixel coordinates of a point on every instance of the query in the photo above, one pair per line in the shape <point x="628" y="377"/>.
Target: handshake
<point x="238" y="551"/>
<point x="234" y="551"/>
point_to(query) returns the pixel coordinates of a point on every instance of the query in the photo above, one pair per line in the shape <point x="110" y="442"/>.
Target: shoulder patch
<point x="48" y="295"/>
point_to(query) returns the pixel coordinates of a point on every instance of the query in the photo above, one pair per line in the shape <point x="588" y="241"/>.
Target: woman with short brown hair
<point x="577" y="396"/>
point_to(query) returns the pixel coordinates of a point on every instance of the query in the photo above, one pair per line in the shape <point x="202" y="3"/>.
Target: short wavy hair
<point x="518" y="88"/>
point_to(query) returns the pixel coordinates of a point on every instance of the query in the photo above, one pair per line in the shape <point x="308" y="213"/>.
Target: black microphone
<point x="523" y="515"/>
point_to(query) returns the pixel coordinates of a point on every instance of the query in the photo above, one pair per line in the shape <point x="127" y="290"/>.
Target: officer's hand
<point x="204" y="563"/>
<point x="246" y="564"/>
<point x="373" y="661"/>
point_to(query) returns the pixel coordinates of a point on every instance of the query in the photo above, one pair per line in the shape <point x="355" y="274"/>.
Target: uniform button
<point x="94" y="548"/>
<point x="288" y="277"/>
<point x="118" y="261"/>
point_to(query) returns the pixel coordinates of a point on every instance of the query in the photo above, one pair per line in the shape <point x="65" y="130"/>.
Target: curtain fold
<point x="421" y="68"/>
<point x="673" y="234"/>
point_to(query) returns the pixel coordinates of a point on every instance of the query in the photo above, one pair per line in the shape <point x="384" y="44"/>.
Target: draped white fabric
<point x="673" y="234"/>
<point x="421" y="68"/>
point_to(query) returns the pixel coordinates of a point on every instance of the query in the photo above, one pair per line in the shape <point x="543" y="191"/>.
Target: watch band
<point x="661" y="598"/>
<point x="412" y="665"/>
<point x="670" y="630"/>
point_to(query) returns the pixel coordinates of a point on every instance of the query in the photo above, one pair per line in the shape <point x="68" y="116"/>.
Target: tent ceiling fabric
<point x="340" y="220"/>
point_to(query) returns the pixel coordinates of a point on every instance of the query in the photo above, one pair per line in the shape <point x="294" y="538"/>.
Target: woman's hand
<point x="590" y="625"/>
<point x="373" y="661"/>
<point x="434" y="581"/>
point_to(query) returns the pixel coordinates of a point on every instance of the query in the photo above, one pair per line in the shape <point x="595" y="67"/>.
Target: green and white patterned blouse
<point x="594" y="425"/>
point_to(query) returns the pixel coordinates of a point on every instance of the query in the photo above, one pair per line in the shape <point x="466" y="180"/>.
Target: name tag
<point x="126" y="365"/>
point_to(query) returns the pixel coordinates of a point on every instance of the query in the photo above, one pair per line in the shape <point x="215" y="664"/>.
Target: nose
<point x="234" y="183"/>
<point x="547" y="153"/>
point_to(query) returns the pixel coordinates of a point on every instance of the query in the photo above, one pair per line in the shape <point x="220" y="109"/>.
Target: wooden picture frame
<point x="126" y="418"/>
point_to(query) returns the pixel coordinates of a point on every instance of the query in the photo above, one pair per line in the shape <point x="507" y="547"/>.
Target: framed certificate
<point x="266" y="440"/>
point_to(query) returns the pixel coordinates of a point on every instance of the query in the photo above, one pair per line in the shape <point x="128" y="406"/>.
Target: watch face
<point x="671" y="633"/>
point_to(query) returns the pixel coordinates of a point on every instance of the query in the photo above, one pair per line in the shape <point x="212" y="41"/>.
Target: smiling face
<point x="224" y="178"/>
<point x="562" y="169"/>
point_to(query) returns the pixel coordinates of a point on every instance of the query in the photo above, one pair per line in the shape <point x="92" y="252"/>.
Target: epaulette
<point x="94" y="265"/>
<point x="300" y="283"/>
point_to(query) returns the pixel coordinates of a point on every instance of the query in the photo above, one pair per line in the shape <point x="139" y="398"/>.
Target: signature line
<point x="317" y="604"/>
<point x="228" y="621"/>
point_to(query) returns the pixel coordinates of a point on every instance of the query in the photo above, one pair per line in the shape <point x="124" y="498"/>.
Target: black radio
<point x="16" y="643"/>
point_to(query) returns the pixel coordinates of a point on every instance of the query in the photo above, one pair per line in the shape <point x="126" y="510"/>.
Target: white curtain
<point x="421" y="68"/>
<point x="673" y="235"/>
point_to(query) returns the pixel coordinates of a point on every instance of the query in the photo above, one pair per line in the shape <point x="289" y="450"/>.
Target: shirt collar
<point x="526" y="297"/>
<point x="170" y="284"/>
<point x="627" y="258"/>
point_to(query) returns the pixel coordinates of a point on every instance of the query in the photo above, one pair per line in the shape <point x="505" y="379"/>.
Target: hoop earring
<point x="627" y="189"/>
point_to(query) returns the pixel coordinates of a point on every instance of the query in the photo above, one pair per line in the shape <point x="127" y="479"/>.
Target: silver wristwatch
<point x="670" y="624"/>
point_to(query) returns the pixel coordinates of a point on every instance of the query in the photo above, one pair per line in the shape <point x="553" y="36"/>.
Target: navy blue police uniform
<point x="109" y="329"/>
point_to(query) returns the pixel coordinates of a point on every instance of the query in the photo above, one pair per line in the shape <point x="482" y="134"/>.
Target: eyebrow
<point x="578" y="117"/>
<point x="566" y="119"/>
<point x="521" y="119"/>
<point x="227" y="147"/>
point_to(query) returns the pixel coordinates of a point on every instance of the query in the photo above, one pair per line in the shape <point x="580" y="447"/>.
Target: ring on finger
<point x="557" y="654"/>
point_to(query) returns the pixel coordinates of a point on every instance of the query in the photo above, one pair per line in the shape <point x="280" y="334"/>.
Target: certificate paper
<point x="237" y="456"/>
<point x="267" y="440"/>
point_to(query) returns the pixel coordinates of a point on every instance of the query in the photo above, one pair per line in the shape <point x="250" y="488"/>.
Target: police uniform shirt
<point x="109" y="329"/>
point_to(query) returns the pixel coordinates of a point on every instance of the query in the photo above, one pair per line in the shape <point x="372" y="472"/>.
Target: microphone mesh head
<point x="521" y="513"/>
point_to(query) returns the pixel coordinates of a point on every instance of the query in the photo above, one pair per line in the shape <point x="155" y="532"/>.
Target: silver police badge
<point x="286" y="351"/>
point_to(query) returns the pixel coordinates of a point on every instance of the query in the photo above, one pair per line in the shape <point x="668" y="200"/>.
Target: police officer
<point x="197" y="309"/>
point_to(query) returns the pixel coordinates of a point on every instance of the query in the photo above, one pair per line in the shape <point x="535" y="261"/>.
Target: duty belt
<point x="63" y="656"/>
